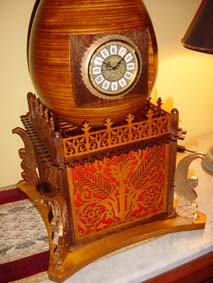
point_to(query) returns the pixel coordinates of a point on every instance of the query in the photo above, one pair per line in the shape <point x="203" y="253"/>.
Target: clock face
<point x="112" y="68"/>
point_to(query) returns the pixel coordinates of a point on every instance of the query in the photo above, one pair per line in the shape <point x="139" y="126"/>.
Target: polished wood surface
<point x="199" y="270"/>
<point x="52" y="58"/>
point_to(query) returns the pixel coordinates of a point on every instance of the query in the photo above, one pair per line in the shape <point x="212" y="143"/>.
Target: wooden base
<point x="82" y="255"/>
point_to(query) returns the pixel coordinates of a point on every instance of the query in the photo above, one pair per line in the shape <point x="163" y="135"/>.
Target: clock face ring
<point x="112" y="68"/>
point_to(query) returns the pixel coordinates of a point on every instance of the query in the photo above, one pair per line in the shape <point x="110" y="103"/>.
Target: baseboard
<point x="8" y="187"/>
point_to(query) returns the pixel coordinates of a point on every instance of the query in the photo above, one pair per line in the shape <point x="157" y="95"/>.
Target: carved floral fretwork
<point x="113" y="192"/>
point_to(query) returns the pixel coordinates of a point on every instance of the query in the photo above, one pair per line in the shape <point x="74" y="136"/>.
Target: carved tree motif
<point x="123" y="189"/>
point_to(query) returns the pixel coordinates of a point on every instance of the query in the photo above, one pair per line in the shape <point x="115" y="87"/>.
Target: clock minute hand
<point x="118" y="63"/>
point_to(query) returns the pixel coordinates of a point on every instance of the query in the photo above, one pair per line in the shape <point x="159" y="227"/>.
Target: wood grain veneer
<point x="51" y="54"/>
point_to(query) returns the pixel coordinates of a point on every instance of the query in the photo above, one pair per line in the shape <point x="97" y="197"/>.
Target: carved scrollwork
<point x="185" y="187"/>
<point x="60" y="226"/>
<point x="27" y="154"/>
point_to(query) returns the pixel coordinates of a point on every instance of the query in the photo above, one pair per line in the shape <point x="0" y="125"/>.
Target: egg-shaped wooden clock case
<point x="66" y="32"/>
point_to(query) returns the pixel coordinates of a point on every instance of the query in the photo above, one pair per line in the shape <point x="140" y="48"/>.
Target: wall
<point x="184" y="79"/>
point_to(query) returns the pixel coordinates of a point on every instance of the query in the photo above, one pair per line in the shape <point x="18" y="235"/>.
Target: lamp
<point x="199" y="36"/>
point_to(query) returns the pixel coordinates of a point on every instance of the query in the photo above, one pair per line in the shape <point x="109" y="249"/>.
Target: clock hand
<point x="108" y="64"/>
<point x="118" y="63"/>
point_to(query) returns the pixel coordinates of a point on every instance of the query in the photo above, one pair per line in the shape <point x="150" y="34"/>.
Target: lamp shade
<point x="199" y="35"/>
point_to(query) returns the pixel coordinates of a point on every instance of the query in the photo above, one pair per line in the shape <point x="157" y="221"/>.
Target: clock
<point x="105" y="152"/>
<point x="111" y="67"/>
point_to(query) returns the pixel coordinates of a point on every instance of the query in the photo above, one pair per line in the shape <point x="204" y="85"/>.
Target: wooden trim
<point x="199" y="270"/>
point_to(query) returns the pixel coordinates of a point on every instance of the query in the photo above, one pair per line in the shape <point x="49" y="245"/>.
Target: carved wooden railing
<point x="65" y="141"/>
<point x="115" y="136"/>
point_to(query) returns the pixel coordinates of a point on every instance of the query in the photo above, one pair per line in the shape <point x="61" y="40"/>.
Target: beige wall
<point x="184" y="78"/>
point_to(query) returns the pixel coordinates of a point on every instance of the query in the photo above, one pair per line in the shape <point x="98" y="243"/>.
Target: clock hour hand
<point x="108" y="65"/>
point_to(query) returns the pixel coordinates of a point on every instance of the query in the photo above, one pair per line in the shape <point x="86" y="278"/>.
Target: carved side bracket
<point x="184" y="187"/>
<point x="60" y="226"/>
<point x="27" y="154"/>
